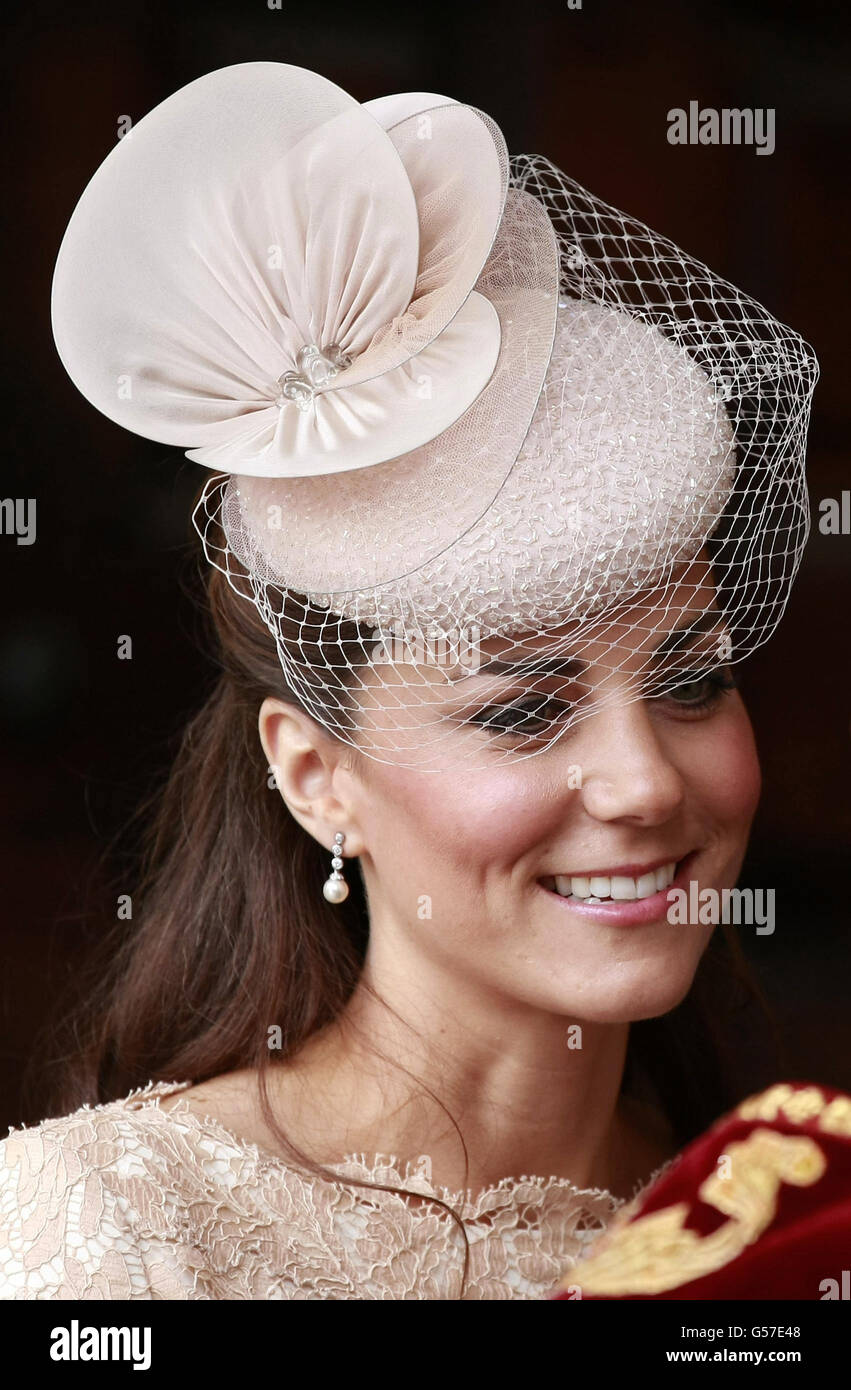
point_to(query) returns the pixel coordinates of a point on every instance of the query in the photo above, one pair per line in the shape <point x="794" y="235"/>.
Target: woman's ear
<point x="312" y="772"/>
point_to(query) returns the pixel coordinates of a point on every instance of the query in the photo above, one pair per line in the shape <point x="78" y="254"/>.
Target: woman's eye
<point x="701" y="690"/>
<point x="538" y="715"/>
<point x="535" y="715"/>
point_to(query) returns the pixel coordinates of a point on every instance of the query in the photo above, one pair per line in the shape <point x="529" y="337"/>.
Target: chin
<point x="643" y="993"/>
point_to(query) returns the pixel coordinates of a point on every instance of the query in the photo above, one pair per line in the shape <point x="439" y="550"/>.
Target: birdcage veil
<point x="513" y="425"/>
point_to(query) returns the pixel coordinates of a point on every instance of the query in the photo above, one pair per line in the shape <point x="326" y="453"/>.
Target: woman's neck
<point x="528" y="1097"/>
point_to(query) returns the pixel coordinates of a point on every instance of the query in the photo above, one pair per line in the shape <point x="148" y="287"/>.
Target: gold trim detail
<point x="658" y="1252"/>
<point x="800" y="1106"/>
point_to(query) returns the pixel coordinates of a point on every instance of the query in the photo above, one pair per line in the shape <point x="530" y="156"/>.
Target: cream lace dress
<point x="129" y="1201"/>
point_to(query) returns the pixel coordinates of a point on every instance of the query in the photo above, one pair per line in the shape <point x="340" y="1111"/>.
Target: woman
<point x="505" y="520"/>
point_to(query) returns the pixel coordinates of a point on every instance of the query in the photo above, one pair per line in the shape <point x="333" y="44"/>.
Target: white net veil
<point x="644" y="541"/>
<point x="487" y="454"/>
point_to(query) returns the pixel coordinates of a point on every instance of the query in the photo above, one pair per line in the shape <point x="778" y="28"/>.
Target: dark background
<point x="85" y="736"/>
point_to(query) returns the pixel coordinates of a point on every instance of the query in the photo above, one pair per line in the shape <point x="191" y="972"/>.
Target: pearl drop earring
<point x="335" y="889"/>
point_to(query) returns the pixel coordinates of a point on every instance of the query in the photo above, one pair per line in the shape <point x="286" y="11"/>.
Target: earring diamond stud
<point x="335" y="888"/>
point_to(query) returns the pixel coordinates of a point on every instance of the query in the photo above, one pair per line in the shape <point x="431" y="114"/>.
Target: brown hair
<point x="231" y="933"/>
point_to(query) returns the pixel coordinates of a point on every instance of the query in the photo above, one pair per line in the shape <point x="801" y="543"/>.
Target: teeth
<point x="665" y="876"/>
<point x="617" y="887"/>
<point x="622" y="888"/>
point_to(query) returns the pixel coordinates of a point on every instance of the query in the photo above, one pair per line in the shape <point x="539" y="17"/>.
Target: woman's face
<point x="460" y="866"/>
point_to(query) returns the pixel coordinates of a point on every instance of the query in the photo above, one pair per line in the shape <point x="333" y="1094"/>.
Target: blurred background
<point x="86" y="736"/>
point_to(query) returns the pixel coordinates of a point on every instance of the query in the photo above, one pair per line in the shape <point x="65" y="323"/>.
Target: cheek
<point x="724" y="773"/>
<point x="463" y="822"/>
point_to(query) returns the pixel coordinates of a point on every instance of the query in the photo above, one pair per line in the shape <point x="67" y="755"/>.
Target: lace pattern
<point x="129" y="1201"/>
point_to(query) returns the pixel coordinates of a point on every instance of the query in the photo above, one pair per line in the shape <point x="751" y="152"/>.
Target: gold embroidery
<point x="658" y="1252"/>
<point x="837" y="1117"/>
<point x="799" y="1106"/>
<point x="804" y="1104"/>
<point x="765" y="1106"/>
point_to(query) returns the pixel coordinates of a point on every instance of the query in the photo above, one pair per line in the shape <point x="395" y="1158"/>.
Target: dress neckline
<point x="387" y="1168"/>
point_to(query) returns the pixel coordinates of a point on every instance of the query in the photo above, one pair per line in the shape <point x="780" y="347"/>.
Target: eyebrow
<point x="571" y="667"/>
<point x="534" y="666"/>
<point x="568" y="666"/>
<point x="682" y="637"/>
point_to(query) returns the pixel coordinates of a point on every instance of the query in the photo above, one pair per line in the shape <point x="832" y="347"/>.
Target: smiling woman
<point x="507" y="411"/>
<point x="668" y="782"/>
<point x="378" y="1082"/>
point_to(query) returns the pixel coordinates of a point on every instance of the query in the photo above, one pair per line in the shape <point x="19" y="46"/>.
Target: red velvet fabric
<point x="804" y="1249"/>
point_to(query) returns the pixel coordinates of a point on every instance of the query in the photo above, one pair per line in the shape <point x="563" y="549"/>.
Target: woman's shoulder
<point x="86" y="1138"/>
<point x="165" y="1130"/>
<point x="79" y="1191"/>
<point x="228" y="1107"/>
<point x="153" y="1195"/>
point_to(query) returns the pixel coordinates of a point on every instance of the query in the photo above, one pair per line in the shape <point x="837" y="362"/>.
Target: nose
<point x="627" y="773"/>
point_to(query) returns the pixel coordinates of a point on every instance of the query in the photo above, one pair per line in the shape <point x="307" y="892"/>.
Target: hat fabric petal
<point x="438" y="388"/>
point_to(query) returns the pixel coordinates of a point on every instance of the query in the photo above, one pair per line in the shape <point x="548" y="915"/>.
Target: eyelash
<point x="485" y="717"/>
<point x="719" y="683"/>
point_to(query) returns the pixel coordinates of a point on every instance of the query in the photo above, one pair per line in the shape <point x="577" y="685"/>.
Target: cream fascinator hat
<point x="453" y="405"/>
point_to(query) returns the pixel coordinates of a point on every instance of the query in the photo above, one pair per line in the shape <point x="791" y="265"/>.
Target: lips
<point x="613" y="887"/>
<point x="627" y="883"/>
